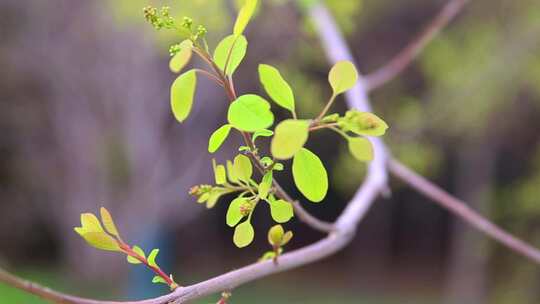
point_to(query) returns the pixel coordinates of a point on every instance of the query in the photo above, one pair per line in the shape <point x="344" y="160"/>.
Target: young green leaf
<point x="245" y="14"/>
<point x="310" y="175"/>
<point x="152" y="257"/>
<point x="243" y="234"/>
<point x="101" y="240"/>
<point x="234" y="213"/>
<point x="108" y="222"/>
<point x="219" y="173"/>
<point x="290" y="136"/>
<point x="363" y="123"/>
<point x="263" y="133"/>
<point x="90" y="223"/>
<point x="179" y="61"/>
<point x="230" y="172"/>
<point x="265" y="185"/>
<point x="214" y="196"/>
<point x="281" y="211"/>
<point x="275" y="235"/>
<point x="343" y="76"/>
<point x="230" y="52"/>
<point x="242" y="168"/>
<point x="269" y="255"/>
<point x="286" y="238"/>
<point x="218" y="137"/>
<point x="158" y="279"/>
<point x="361" y="148"/>
<point x="250" y="113"/>
<point x="182" y="93"/>
<point x="278" y="89"/>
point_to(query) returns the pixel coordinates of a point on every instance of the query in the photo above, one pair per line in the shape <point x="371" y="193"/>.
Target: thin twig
<point x="462" y="210"/>
<point x="404" y="58"/>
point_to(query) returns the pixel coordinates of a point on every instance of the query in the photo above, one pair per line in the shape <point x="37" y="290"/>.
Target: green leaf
<point x="230" y="52"/>
<point x="101" y="240"/>
<point x="234" y="213"/>
<point x="90" y="223"/>
<point x="152" y="257"/>
<point x="231" y="173"/>
<point x="158" y="279"/>
<point x="214" y="196"/>
<point x="108" y="222"/>
<point x="276" y="87"/>
<point x="263" y="133"/>
<point x="290" y="136"/>
<point x="361" y="148"/>
<point x="343" y="76"/>
<point x="182" y="93"/>
<point x="275" y="235"/>
<point x="218" y="137"/>
<point x="242" y="168"/>
<point x="245" y="14"/>
<point x="265" y="185"/>
<point x="219" y="173"/>
<point x="363" y="123"/>
<point x="286" y="238"/>
<point x="268" y="256"/>
<point x="250" y="113"/>
<point x="281" y="211"/>
<point x="138" y="251"/>
<point x="310" y="175"/>
<point x="179" y="61"/>
<point x="243" y="234"/>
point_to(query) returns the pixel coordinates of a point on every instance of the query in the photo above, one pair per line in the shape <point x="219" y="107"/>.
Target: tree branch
<point x="404" y="58"/>
<point x="461" y="210"/>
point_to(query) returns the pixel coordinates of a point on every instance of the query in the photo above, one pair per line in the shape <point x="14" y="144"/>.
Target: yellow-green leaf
<point x="182" y="93"/>
<point x="152" y="257"/>
<point x="243" y="234"/>
<point x="101" y="240"/>
<point x="242" y="168"/>
<point x="244" y="15"/>
<point x="310" y="175"/>
<point x="230" y="172"/>
<point x="290" y="136"/>
<point x="234" y="213"/>
<point x="363" y="123"/>
<point x="361" y="148"/>
<point x="179" y="61"/>
<point x="265" y="185"/>
<point x="286" y="238"/>
<point x="218" y="137"/>
<point x="250" y="113"/>
<point x="230" y="52"/>
<point x="90" y="223"/>
<point x="343" y="76"/>
<point x="158" y="279"/>
<point x="281" y="211"/>
<point x="219" y="173"/>
<point x="275" y="235"/>
<point x="276" y="87"/>
<point x="108" y="222"/>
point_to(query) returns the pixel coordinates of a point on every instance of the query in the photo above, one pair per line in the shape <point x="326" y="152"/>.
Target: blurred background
<point x="85" y="122"/>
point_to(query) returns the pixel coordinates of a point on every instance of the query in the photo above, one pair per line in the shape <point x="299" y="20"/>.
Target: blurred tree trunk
<point x="468" y="272"/>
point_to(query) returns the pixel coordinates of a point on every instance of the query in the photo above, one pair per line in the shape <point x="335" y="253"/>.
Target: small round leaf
<point x="250" y="113"/>
<point x="182" y="93"/>
<point x="343" y="76"/>
<point x="361" y="148"/>
<point x="218" y="137"/>
<point x="243" y="234"/>
<point x="281" y="211"/>
<point x="310" y="175"/>
<point x="290" y="136"/>
<point x="278" y="89"/>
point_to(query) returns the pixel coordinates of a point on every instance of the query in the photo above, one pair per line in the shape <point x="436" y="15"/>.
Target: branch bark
<point x="406" y="56"/>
